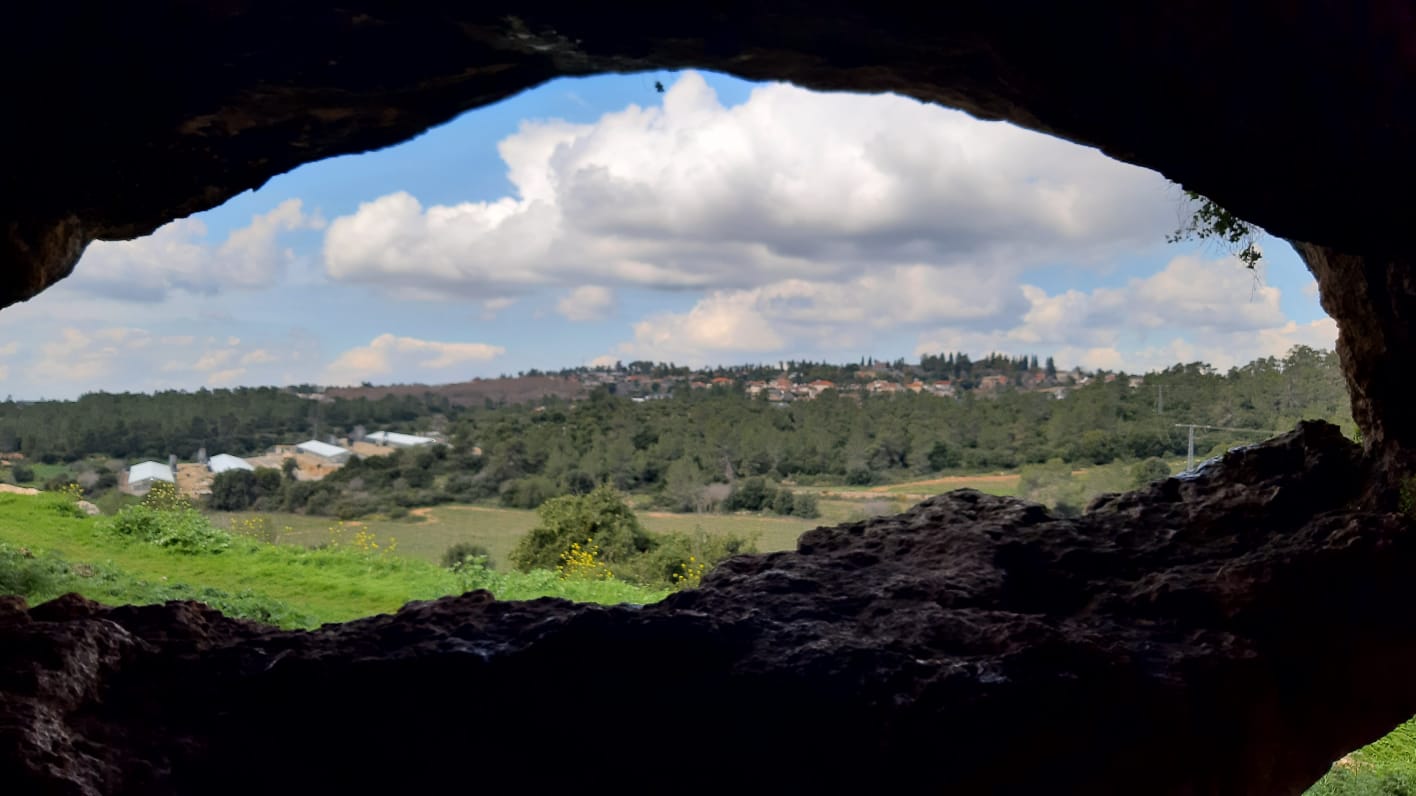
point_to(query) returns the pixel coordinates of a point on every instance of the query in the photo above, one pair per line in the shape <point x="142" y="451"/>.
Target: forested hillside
<point x="241" y="422"/>
<point x="675" y="448"/>
<point x="719" y="434"/>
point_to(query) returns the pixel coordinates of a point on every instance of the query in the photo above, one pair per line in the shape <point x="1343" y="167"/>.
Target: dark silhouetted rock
<point x="1231" y="632"/>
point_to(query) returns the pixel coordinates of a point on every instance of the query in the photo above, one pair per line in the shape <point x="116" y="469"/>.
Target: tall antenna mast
<point x="1190" y="454"/>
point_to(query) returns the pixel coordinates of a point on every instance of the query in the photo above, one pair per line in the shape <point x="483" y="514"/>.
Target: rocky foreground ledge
<point x="1233" y="632"/>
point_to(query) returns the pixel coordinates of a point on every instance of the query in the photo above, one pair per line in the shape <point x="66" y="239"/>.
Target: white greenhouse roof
<point x="150" y="471"/>
<point x="222" y="462"/>
<point x="321" y="449"/>
<point x="401" y="440"/>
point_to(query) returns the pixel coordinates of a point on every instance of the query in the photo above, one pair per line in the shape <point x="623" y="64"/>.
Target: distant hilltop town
<point x="944" y="376"/>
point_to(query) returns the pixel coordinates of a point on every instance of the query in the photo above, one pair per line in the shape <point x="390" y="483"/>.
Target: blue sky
<point x="596" y="219"/>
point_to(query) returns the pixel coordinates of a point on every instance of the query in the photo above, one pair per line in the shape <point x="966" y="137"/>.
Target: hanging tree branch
<point x="1209" y="221"/>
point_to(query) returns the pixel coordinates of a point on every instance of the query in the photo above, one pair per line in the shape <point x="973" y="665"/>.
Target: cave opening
<point x="1205" y="625"/>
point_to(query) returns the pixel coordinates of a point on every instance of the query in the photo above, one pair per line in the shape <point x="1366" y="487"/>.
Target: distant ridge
<point x="515" y="390"/>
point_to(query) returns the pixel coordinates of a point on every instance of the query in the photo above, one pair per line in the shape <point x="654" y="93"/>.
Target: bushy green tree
<point x="238" y="490"/>
<point x="673" y="552"/>
<point x="784" y="503"/>
<point x="460" y="553"/>
<point x="527" y="493"/>
<point x="22" y="473"/>
<point x="942" y="456"/>
<point x="752" y="494"/>
<point x="601" y="515"/>
<point x="1149" y="470"/>
<point x="804" y="506"/>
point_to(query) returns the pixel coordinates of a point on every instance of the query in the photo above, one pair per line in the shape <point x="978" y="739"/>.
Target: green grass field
<point x="431" y="531"/>
<point x="48" y="551"/>
<point x="42" y="472"/>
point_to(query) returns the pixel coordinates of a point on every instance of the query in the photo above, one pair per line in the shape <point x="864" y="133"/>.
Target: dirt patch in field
<point x="362" y="448"/>
<point x="194" y="480"/>
<point x="307" y="466"/>
<point x="18" y="490"/>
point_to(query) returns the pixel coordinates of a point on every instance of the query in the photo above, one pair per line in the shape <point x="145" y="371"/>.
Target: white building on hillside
<point x="143" y="475"/>
<point x="397" y="440"/>
<point x="324" y="450"/>
<point x="223" y="462"/>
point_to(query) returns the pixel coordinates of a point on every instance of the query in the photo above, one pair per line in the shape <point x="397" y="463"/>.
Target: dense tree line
<point x="953" y="366"/>
<point x="701" y="450"/>
<point x="720" y="435"/>
<point x="241" y="422"/>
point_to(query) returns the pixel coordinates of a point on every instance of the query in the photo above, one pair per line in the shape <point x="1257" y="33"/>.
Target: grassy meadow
<point x="47" y="550"/>
<point x="426" y="532"/>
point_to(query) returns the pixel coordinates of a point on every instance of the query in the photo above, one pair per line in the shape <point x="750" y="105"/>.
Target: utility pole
<point x="1190" y="454"/>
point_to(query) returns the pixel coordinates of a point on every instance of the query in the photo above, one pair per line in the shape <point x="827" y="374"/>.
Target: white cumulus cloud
<point x="587" y="303"/>
<point x="788" y="185"/>
<point x="390" y="353"/>
<point x="1192" y="310"/>
<point x="177" y="257"/>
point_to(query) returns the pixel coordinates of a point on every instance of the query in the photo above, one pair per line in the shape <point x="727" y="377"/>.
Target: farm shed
<point x="324" y="450"/>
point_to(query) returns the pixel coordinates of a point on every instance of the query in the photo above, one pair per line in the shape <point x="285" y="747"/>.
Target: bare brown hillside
<point x="466" y="393"/>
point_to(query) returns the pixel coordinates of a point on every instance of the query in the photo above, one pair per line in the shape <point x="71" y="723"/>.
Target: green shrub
<point x="22" y="473"/>
<point x="804" y="506"/>
<point x="674" y="553"/>
<point x="351" y="507"/>
<point x="473" y="574"/>
<point x="528" y="493"/>
<point x="860" y="476"/>
<point x="58" y="481"/>
<point x="238" y="490"/>
<point x="462" y="551"/>
<point x="784" y="503"/>
<point x="1152" y="469"/>
<point x="751" y="494"/>
<point x="25" y="574"/>
<point x="418" y="478"/>
<point x="942" y="457"/>
<point x="601" y="515"/>
<point x="184" y="530"/>
<point x="67" y="508"/>
<point x="165" y="497"/>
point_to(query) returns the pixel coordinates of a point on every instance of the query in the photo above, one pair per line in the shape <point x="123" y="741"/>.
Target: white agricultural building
<point x="222" y="462"/>
<point x="143" y="475"/>
<point x="324" y="450"/>
<point x="397" y="440"/>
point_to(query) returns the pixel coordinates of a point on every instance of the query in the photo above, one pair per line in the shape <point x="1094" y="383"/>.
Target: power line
<point x="1190" y="455"/>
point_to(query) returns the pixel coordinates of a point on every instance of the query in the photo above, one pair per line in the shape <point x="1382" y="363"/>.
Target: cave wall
<point x="128" y="116"/>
